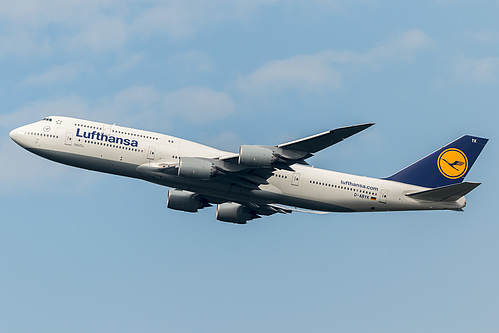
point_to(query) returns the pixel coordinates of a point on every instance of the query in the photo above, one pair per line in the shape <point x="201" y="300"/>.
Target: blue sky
<point x="82" y="251"/>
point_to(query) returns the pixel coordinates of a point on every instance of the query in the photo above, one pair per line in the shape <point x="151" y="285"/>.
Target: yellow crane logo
<point x="452" y="163"/>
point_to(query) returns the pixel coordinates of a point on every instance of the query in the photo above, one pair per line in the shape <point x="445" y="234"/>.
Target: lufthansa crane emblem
<point x="452" y="163"/>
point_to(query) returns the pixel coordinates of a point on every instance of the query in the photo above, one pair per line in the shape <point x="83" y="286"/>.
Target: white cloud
<point x="227" y="141"/>
<point x="129" y="62"/>
<point x="137" y="97"/>
<point x="299" y="72"/>
<point x="151" y="108"/>
<point x="482" y="37"/>
<point x="88" y="24"/>
<point x="23" y="43"/>
<point x="134" y="105"/>
<point x="183" y="18"/>
<point x="402" y="47"/>
<point x="143" y="105"/>
<point x="321" y="72"/>
<point x="198" y="104"/>
<point x="482" y="70"/>
<point x="66" y="106"/>
<point x="60" y="73"/>
<point x="105" y="34"/>
<point x="148" y="106"/>
<point x="107" y="25"/>
<point x="192" y="60"/>
<point x="35" y="13"/>
<point x="173" y="19"/>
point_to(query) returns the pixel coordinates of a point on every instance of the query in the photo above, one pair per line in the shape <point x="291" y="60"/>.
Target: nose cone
<point x="19" y="136"/>
<point x="13" y="135"/>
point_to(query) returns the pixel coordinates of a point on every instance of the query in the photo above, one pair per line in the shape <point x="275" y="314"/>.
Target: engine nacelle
<point x="184" y="200"/>
<point x="257" y="156"/>
<point x="234" y="212"/>
<point x="196" y="168"/>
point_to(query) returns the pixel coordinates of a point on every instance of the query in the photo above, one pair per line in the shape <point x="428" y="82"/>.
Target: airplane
<point x="258" y="180"/>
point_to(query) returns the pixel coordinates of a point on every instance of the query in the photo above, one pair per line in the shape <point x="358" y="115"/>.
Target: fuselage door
<point x="106" y="129"/>
<point x="151" y="153"/>
<point x="296" y="179"/>
<point x="69" y="139"/>
<point x="384" y="195"/>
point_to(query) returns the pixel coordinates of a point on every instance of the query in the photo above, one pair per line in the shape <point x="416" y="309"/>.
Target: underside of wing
<point x="227" y="211"/>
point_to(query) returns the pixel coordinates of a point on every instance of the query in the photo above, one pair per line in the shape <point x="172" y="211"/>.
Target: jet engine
<point x="257" y="156"/>
<point x="196" y="168"/>
<point x="185" y="201"/>
<point x="235" y="213"/>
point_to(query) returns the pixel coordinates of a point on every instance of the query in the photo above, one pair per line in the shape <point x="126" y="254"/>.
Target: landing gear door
<point x="296" y="179"/>
<point x="151" y="153"/>
<point x="69" y="139"/>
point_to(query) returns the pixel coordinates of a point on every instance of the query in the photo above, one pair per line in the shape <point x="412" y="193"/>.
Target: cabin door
<point x="69" y="139"/>
<point x="151" y="153"/>
<point x="106" y="129"/>
<point x="384" y="195"/>
<point x="296" y="179"/>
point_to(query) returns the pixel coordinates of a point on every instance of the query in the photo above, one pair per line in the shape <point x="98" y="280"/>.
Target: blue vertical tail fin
<point x="446" y="166"/>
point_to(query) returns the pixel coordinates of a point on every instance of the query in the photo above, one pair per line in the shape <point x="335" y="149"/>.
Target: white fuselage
<point x="124" y="151"/>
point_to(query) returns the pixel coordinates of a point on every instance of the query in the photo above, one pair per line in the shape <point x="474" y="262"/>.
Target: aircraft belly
<point x="314" y="204"/>
<point x="88" y="162"/>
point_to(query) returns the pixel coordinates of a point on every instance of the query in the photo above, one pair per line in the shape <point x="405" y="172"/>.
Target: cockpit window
<point x="47" y="119"/>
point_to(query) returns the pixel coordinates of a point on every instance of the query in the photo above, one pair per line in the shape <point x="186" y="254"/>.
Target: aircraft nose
<point x="13" y="134"/>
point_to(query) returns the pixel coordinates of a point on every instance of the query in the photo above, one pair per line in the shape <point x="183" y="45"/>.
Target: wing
<point x="315" y="143"/>
<point x="238" y="212"/>
<point x="253" y="165"/>
<point x="299" y="150"/>
<point x="247" y="170"/>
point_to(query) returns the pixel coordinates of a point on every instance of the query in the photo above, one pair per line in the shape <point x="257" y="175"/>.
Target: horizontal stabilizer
<point x="445" y="193"/>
